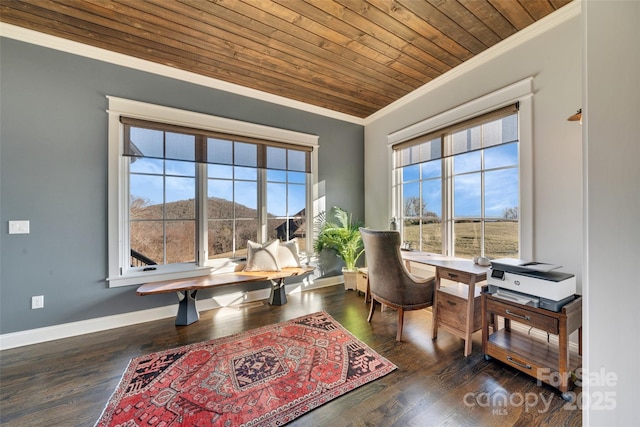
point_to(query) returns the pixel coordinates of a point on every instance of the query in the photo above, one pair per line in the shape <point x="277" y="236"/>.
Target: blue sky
<point x="284" y="189"/>
<point x="146" y="181"/>
<point x="288" y="188"/>
<point x="501" y="182"/>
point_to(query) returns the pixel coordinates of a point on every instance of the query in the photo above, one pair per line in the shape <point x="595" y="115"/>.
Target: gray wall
<point x="612" y="210"/>
<point x="553" y="60"/>
<point x="53" y="158"/>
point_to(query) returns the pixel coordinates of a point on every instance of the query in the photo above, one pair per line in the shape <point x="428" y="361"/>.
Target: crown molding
<point x="52" y="42"/>
<point x="550" y="21"/>
<point x="545" y="24"/>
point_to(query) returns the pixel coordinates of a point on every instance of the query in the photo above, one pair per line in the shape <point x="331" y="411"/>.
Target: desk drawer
<point x="517" y="361"/>
<point x="454" y="275"/>
<point x="522" y="315"/>
<point x="452" y="311"/>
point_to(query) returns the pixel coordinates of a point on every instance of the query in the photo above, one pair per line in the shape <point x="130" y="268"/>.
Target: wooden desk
<point x="454" y="309"/>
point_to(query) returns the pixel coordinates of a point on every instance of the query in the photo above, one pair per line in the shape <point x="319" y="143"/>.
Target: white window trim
<point x="117" y="191"/>
<point x="521" y="92"/>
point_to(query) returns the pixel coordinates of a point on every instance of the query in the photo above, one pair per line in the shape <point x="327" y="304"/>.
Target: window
<point x="458" y="189"/>
<point x="162" y="197"/>
<point x="484" y="183"/>
<point x="186" y="194"/>
<point x="420" y="207"/>
<point x="232" y="206"/>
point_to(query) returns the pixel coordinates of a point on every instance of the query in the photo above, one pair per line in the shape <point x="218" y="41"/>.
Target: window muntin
<point x="286" y="188"/>
<point x="287" y="216"/>
<point x="466" y="202"/>
<point x="162" y="213"/>
<point x="422" y="205"/>
<point x="162" y="208"/>
<point x="168" y="154"/>
<point x="232" y="203"/>
<point x="163" y="220"/>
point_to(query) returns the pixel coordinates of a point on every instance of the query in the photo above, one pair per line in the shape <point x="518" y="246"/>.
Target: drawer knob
<point x="520" y="316"/>
<point x="451" y="302"/>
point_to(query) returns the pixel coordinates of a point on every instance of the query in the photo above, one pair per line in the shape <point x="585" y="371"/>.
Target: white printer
<point x="531" y="283"/>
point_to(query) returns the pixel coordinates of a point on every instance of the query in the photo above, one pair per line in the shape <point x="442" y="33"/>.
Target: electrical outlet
<point x="37" y="302"/>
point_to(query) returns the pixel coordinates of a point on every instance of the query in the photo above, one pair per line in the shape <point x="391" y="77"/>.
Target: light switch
<point x="19" y="227"/>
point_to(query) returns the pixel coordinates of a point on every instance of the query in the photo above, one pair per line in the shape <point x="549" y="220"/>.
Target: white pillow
<point x="288" y="254"/>
<point x="262" y="257"/>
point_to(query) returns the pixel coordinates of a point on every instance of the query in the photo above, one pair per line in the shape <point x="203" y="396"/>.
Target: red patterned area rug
<point x="263" y="377"/>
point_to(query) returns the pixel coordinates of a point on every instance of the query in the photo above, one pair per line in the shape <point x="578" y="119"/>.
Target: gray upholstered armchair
<point x="389" y="281"/>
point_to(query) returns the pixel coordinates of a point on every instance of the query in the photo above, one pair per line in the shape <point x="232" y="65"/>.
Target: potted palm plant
<point x="341" y="235"/>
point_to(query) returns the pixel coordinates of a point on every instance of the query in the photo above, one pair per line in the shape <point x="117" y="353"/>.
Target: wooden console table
<point x="546" y="361"/>
<point x="455" y="308"/>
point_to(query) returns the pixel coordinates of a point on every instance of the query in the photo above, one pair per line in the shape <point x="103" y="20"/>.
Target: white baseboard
<point x="66" y="330"/>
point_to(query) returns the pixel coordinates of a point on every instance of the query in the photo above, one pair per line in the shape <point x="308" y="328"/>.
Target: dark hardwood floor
<point x="68" y="382"/>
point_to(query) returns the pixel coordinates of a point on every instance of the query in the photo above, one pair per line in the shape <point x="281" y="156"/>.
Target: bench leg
<point x="187" y="311"/>
<point x="278" y="295"/>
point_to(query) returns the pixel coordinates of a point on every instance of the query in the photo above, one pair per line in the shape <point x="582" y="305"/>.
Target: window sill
<point x="141" y="277"/>
<point x="177" y="272"/>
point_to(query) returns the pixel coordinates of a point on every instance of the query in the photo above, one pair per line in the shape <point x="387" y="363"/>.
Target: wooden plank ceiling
<point x="350" y="56"/>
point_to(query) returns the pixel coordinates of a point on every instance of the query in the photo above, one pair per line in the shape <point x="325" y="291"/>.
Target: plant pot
<point x="350" y="278"/>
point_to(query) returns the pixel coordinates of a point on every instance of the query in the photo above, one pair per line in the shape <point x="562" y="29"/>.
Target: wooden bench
<point x="186" y="289"/>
